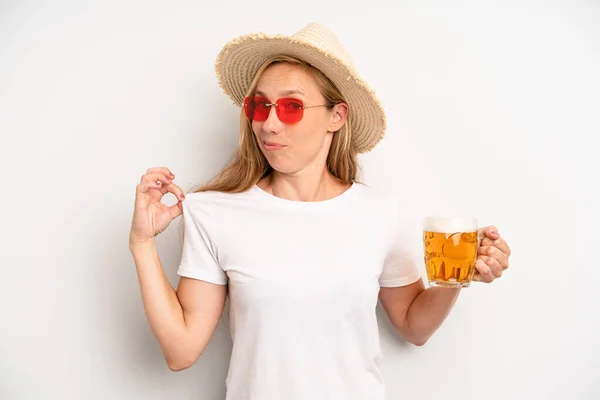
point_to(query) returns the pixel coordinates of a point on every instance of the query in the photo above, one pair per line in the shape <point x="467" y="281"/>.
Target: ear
<point x="338" y="116"/>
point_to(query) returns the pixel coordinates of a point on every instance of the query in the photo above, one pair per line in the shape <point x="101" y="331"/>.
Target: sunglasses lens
<point x="249" y="107"/>
<point x="290" y="111"/>
<point x="256" y="108"/>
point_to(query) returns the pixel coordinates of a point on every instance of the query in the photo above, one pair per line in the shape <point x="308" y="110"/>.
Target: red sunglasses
<point x="289" y="110"/>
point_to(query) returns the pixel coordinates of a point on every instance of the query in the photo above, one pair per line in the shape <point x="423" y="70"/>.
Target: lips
<point x="273" y="145"/>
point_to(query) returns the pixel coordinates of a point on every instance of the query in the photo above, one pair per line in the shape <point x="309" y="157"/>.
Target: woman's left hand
<point x="492" y="255"/>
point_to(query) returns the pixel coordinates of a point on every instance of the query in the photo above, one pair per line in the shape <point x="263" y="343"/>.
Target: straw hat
<point x="239" y="60"/>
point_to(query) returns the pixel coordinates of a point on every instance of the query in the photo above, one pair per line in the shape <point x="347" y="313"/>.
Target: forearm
<point x="162" y="307"/>
<point x="427" y="312"/>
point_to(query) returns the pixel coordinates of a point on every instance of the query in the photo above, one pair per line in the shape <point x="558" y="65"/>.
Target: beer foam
<point x="450" y="224"/>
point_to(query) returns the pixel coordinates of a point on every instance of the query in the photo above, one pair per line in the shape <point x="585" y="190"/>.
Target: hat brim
<point x="240" y="59"/>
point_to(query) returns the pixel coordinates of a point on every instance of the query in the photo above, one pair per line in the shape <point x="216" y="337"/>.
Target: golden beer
<point x="450" y="247"/>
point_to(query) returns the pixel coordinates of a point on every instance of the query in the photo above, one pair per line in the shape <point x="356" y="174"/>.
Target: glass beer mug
<point x="450" y="245"/>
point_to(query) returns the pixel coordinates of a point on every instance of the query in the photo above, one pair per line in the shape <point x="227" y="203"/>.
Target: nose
<point x="272" y="124"/>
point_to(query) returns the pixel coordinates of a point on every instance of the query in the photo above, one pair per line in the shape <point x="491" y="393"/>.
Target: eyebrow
<point x="285" y="92"/>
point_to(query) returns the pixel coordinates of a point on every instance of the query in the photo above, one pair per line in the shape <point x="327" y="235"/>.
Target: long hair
<point x="249" y="164"/>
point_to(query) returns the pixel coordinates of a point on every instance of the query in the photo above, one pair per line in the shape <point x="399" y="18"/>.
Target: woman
<point x="302" y="249"/>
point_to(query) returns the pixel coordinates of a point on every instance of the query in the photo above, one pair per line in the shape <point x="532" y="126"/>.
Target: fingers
<point x="171" y="187"/>
<point x="493" y="265"/>
<point x="176" y="210"/>
<point x="161" y="174"/>
<point x="483" y="273"/>
<point x="163" y="170"/>
<point x="176" y="190"/>
<point x="488" y="232"/>
<point x="162" y="180"/>
<point x="495" y="253"/>
<point x="157" y="177"/>
<point x="146" y="186"/>
<point x="500" y="243"/>
<point x="154" y="181"/>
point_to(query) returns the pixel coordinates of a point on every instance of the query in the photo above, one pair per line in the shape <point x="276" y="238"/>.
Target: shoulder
<point x="394" y="208"/>
<point x="210" y="196"/>
<point x="207" y="203"/>
<point x="382" y="198"/>
<point x="215" y="197"/>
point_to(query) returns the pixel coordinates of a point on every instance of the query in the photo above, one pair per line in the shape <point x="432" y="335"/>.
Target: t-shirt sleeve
<point x="199" y="255"/>
<point x="400" y="267"/>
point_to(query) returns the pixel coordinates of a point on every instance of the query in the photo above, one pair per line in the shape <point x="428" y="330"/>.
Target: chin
<point x="284" y="168"/>
<point x="283" y="165"/>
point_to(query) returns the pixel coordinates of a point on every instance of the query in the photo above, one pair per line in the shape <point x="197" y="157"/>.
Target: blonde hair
<point x="249" y="164"/>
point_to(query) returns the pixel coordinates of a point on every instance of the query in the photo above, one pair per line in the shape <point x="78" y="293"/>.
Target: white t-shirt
<point x="303" y="283"/>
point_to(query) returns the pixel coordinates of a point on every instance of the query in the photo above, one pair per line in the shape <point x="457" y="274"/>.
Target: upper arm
<point x="202" y="288"/>
<point x="397" y="300"/>
<point x="202" y="303"/>
<point x="400" y="280"/>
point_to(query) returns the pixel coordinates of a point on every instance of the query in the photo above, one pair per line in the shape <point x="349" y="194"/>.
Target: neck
<point x="303" y="186"/>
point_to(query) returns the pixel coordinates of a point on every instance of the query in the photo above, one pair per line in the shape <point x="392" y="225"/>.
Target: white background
<point x="493" y="111"/>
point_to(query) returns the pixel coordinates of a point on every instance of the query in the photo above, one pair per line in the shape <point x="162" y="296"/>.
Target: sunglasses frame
<point x="278" y="111"/>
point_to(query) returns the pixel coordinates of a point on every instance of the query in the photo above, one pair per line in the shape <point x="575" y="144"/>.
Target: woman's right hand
<point x="151" y="216"/>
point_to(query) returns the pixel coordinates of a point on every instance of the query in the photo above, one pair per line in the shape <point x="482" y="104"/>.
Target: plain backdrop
<point x="493" y="112"/>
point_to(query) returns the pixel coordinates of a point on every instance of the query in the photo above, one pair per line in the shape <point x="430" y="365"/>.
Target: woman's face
<point x="293" y="147"/>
